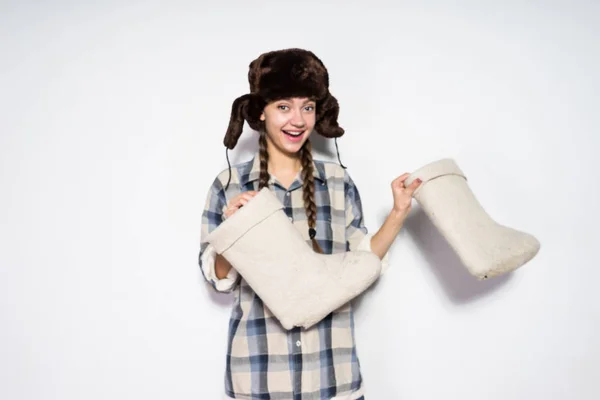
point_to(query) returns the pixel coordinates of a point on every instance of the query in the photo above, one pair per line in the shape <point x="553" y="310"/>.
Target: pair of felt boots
<point x="301" y="287"/>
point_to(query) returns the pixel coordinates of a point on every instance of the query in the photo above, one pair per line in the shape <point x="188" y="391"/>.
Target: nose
<point x="298" y="119"/>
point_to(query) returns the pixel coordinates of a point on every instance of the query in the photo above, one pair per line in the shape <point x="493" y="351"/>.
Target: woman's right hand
<point x="237" y="202"/>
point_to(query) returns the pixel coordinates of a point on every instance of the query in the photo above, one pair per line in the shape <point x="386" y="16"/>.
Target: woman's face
<point x="289" y="123"/>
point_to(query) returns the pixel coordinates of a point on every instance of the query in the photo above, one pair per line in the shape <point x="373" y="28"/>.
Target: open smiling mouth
<point x="293" y="135"/>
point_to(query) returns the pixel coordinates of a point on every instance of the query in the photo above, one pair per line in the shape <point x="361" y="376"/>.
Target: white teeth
<point x="296" y="134"/>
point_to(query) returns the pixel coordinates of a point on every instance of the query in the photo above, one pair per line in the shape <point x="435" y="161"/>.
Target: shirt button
<point x="288" y="194"/>
<point x="298" y="343"/>
<point x="291" y="219"/>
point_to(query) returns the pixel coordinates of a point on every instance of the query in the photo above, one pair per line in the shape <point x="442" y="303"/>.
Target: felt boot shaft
<point x="300" y="287"/>
<point x="485" y="247"/>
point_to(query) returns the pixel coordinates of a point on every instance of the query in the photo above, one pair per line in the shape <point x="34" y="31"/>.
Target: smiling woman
<point x="290" y="100"/>
<point x="289" y="123"/>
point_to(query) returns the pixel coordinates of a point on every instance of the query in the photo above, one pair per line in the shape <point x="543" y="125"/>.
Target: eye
<point x="309" y="108"/>
<point x="283" y="107"/>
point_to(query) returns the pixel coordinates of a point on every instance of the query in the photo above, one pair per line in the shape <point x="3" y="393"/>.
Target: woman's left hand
<point x="403" y="195"/>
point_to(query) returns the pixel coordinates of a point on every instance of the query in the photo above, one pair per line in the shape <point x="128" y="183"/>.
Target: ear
<point x="262" y="116"/>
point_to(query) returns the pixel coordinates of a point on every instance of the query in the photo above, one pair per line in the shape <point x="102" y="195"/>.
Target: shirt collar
<point x="251" y="171"/>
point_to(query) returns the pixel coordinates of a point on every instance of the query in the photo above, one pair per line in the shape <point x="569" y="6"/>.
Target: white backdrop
<point x="112" y="120"/>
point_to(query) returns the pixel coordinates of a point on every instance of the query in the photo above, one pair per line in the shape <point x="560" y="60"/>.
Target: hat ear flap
<point x="327" y="120"/>
<point x="247" y="107"/>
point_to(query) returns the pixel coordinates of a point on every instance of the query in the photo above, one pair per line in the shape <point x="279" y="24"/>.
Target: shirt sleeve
<point x="358" y="237"/>
<point x="212" y="217"/>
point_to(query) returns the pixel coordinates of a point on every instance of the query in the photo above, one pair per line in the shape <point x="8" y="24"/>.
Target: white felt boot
<point x="300" y="287"/>
<point x="485" y="247"/>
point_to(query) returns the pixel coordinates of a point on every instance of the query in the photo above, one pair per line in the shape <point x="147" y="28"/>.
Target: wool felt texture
<point x="299" y="286"/>
<point x="485" y="247"/>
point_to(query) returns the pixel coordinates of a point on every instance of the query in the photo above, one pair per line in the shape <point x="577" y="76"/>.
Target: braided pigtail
<point x="308" y="189"/>
<point x="263" y="155"/>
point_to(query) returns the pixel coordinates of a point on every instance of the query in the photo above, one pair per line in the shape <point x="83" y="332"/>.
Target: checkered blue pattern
<point x="263" y="360"/>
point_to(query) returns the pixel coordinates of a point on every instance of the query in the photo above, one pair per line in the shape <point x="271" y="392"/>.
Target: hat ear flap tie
<point x="338" y="154"/>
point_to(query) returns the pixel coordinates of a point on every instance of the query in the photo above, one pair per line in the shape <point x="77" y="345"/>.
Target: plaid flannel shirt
<point x="263" y="360"/>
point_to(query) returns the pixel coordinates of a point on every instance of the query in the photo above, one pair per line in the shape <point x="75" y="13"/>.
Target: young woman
<point x="290" y="101"/>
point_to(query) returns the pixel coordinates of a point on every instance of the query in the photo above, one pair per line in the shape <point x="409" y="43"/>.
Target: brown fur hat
<point x="281" y="74"/>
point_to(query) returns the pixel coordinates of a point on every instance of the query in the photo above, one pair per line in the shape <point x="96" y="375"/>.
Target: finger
<point x="413" y="187"/>
<point x="235" y="201"/>
<point x="399" y="181"/>
<point x="402" y="177"/>
<point x="416" y="183"/>
<point x="233" y="207"/>
<point x="247" y="196"/>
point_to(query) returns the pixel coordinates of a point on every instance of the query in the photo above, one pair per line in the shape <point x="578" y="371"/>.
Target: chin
<point x="292" y="150"/>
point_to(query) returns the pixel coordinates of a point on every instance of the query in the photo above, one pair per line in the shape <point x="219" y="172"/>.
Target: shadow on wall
<point x="247" y="144"/>
<point x="324" y="146"/>
<point x="460" y="286"/>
